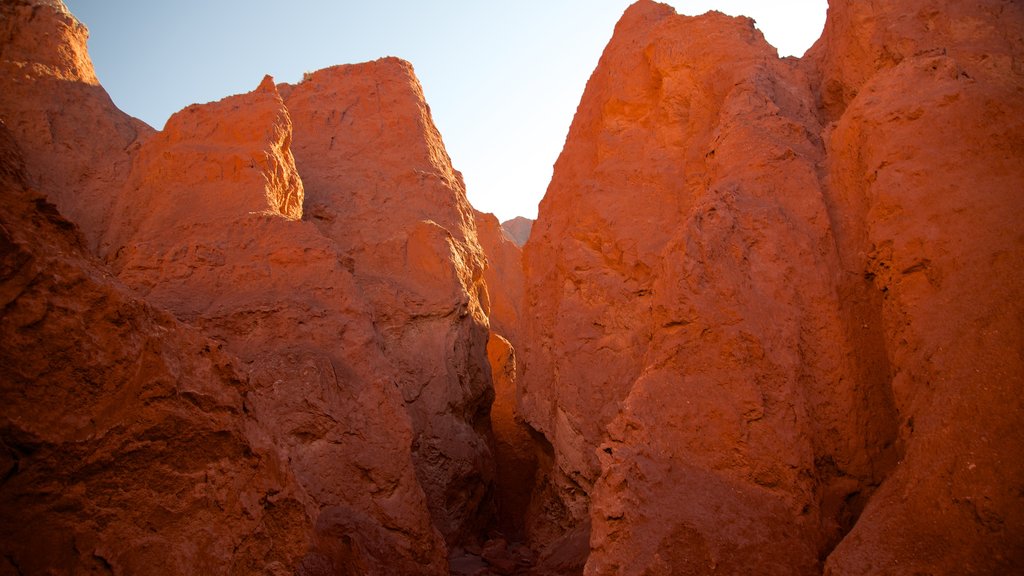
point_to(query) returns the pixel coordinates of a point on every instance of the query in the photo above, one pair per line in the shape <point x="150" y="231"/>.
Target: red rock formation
<point x="518" y="229"/>
<point x="380" y="185"/>
<point x="363" y="349"/>
<point x="732" y="299"/>
<point x="127" y="442"/>
<point x="503" y="276"/>
<point x="218" y="244"/>
<point x="924" y="180"/>
<point x="772" y="320"/>
<point x="51" y="99"/>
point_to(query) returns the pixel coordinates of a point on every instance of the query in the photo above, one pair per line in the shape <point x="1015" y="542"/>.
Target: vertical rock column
<point x="925" y="178"/>
<point x="209" y="227"/>
<point x="516" y="449"/>
<point x="687" y="355"/>
<point x="380" y="185"/>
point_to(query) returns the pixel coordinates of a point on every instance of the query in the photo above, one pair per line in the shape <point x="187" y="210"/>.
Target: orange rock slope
<point x="774" y="305"/>
<point x="768" y="321"/>
<point x="313" y="387"/>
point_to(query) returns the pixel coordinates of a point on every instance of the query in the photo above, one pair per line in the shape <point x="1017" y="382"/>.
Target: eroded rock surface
<point x="221" y="245"/>
<point x="128" y="442"/>
<point x="924" y="177"/>
<point x="516" y="449"/>
<point x="76" y="144"/>
<point x="740" y="312"/>
<point x="379" y="184"/>
<point x="360" y="351"/>
<point x="769" y="319"/>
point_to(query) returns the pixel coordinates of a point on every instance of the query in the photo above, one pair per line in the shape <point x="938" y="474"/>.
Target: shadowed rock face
<point x="758" y="334"/>
<point x="769" y="319"/>
<point x="127" y="440"/>
<point x="516" y="450"/>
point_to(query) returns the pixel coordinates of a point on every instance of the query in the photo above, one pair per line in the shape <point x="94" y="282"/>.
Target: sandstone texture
<point x="773" y="318"/>
<point x="768" y="321"/>
<point x="515" y="448"/>
<point x="128" y="444"/>
<point x="75" y="142"/>
<point x="291" y="375"/>
<point x="518" y="229"/>
<point x="380" y="186"/>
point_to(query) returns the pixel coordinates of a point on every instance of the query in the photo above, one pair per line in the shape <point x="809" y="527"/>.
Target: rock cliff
<point x="757" y="329"/>
<point x="332" y="321"/>
<point x="768" y="320"/>
<point x="380" y="186"/>
<point x="128" y="441"/>
<point x="76" y="144"/>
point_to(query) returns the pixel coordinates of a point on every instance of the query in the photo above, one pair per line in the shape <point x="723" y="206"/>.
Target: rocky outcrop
<point x="515" y="448"/>
<point x="220" y="244"/>
<point x="732" y="297"/>
<point x="923" y="184"/>
<point x="348" y="305"/>
<point x="128" y="443"/>
<point x="77" y="145"/>
<point x="503" y="277"/>
<point x="518" y="229"/>
<point x="381" y="187"/>
<point x="769" y="319"/>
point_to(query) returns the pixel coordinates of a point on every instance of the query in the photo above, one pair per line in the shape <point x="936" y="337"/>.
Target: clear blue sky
<point x="502" y="78"/>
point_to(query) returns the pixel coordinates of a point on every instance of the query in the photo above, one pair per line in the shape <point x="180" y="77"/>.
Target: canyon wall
<point x="770" y="299"/>
<point x="768" y="320"/>
<point x="298" y="271"/>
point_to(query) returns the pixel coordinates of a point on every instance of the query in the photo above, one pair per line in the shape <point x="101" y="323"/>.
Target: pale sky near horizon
<point x="502" y="79"/>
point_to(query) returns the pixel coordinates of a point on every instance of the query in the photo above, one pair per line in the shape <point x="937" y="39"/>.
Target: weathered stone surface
<point x="771" y="323"/>
<point x="349" y="375"/>
<point x="925" y="172"/>
<point x="518" y="229"/>
<point x="503" y="276"/>
<point x="514" y="447"/>
<point x="380" y="185"/>
<point x="77" y="145"/>
<point x="738" y="311"/>
<point x="862" y="38"/>
<point x="127" y="439"/>
<point x="220" y="244"/>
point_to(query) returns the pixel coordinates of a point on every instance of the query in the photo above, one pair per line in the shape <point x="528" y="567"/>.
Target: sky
<point x="502" y="79"/>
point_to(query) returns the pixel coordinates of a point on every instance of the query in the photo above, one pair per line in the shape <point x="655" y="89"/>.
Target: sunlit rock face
<point x="923" y="173"/>
<point x="342" y="373"/>
<point x="380" y="186"/>
<point x="768" y="321"/>
<point x="768" y="301"/>
<point x="76" y="144"/>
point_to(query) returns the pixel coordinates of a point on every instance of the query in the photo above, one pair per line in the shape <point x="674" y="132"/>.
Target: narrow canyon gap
<point x="768" y="319"/>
